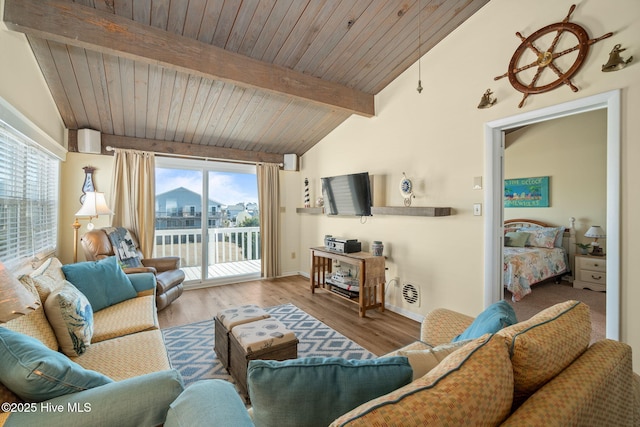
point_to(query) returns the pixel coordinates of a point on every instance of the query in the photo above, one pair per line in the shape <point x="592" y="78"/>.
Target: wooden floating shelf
<point x="315" y="211"/>
<point x="410" y="211"/>
<point x="391" y="210"/>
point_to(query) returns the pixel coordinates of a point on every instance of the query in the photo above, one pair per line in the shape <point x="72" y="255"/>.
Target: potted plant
<point x="584" y="248"/>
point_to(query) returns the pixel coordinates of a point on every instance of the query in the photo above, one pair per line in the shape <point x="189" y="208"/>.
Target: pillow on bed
<point x="516" y="239"/>
<point x="557" y="243"/>
<point x="544" y="237"/>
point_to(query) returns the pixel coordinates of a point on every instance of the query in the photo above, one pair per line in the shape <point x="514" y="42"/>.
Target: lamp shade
<point x="595" y="231"/>
<point x="15" y="299"/>
<point x="94" y="205"/>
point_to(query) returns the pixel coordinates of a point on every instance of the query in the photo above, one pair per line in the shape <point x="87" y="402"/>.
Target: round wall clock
<point x="529" y="55"/>
<point x="406" y="189"/>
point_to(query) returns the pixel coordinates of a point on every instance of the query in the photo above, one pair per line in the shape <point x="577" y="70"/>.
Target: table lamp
<point x="596" y="232"/>
<point x="15" y="299"/>
<point x="93" y="206"/>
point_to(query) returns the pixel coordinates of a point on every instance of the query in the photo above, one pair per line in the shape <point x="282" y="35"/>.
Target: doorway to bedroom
<point x="495" y="139"/>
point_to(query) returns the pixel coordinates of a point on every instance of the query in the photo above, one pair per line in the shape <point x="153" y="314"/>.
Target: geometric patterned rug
<point x="190" y="347"/>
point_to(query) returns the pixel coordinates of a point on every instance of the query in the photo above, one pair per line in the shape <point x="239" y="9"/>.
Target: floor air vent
<point x="410" y="294"/>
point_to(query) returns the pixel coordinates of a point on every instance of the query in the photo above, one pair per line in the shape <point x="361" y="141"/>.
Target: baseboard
<point x="220" y="282"/>
<point x="404" y="312"/>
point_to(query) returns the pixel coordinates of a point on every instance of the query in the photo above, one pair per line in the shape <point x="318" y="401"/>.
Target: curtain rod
<point x="206" y="159"/>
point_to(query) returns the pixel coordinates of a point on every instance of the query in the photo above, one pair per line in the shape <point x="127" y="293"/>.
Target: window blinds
<point x="28" y="199"/>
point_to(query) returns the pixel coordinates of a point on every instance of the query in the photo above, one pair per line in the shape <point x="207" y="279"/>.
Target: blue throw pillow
<point x="102" y="282"/>
<point x="494" y="318"/>
<point x="36" y="373"/>
<point x="314" y="391"/>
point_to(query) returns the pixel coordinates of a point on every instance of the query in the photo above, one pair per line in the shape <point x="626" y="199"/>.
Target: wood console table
<point x="371" y="276"/>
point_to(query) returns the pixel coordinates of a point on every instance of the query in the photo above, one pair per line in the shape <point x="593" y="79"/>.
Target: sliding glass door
<point x="217" y="237"/>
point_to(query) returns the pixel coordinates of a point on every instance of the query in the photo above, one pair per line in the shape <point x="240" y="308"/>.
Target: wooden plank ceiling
<point x="237" y="79"/>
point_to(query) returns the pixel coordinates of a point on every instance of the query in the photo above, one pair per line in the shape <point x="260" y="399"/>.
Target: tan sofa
<point x="126" y="343"/>
<point x="552" y="377"/>
<point x="539" y="372"/>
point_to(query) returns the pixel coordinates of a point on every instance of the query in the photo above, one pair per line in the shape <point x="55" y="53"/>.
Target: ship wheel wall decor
<point x="546" y="59"/>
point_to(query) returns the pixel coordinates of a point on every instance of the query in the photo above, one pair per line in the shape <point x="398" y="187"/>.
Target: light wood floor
<point x="378" y="332"/>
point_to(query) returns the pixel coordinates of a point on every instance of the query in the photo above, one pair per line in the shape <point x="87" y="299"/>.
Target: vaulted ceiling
<point x="237" y="79"/>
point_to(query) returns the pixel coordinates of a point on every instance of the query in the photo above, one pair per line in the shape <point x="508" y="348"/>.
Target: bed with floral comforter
<point x="525" y="266"/>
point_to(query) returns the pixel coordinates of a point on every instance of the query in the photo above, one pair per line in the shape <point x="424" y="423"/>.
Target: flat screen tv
<point x="347" y="194"/>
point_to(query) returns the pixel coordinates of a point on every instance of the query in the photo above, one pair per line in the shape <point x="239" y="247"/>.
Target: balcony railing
<point x="225" y="245"/>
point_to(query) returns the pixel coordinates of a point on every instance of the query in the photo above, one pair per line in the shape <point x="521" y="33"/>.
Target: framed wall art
<point x="526" y="192"/>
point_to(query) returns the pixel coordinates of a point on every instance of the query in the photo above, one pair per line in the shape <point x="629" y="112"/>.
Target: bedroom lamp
<point x="94" y="205"/>
<point x="596" y="232"/>
<point x="15" y="299"/>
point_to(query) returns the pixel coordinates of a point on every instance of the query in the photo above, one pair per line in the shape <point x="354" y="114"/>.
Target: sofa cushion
<point x="313" y="391"/>
<point x="48" y="277"/>
<point x="128" y="317"/>
<point x="102" y="282"/>
<point x="472" y="386"/>
<point x="544" y="345"/>
<point x="37" y="373"/>
<point x="127" y="356"/>
<point x="491" y="320"/>
<point x="71" y="317"/>
<point x="422" y="361"/>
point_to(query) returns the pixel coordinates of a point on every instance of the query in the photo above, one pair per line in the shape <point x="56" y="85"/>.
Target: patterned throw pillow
<point x="71" y="317"/>
<point x="123" y="246"/>
<point x="48" y="277"/>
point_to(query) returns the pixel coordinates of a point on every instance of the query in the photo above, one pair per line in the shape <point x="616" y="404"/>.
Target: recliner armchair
<point x="169" y="277"/>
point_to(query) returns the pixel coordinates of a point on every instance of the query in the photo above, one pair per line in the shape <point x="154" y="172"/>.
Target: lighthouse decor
<point x="307" y="199"/>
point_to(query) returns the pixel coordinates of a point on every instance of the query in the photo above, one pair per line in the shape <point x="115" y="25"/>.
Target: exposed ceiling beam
<point x="178" y="149"/>
<point x="77" y="25"/>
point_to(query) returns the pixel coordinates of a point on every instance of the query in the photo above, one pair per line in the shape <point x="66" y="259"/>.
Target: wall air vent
<point x="410" y="294"/>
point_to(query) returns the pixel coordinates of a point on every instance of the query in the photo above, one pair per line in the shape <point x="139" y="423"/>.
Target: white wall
<point x="437" y="138"/>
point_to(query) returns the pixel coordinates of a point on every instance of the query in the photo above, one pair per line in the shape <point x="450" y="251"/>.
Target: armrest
<point x="143" y="282"/>
<point x="138" y="401"/>
<point x="162" y="264"/>
<point x="134" y="270"/>
<point x="208" y="403"/>
<point x="441" y="326"/>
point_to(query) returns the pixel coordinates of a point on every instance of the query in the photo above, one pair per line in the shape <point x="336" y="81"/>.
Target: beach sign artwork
<point x="526" y="192"/>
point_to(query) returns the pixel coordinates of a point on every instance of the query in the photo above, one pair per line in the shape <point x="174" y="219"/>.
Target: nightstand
<point x="591" y="273"/>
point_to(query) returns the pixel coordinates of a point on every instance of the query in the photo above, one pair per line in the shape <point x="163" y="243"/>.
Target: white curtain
<point x="133" y="195"/>
<point x="269" y="201"/>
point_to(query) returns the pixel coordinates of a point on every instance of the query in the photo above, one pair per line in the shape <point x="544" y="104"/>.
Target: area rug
<point x="190" y="347"/>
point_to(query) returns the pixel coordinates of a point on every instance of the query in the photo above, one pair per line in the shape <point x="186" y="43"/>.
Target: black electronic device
<point x="347" y="194"/>
<point x="344" y="246"/>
